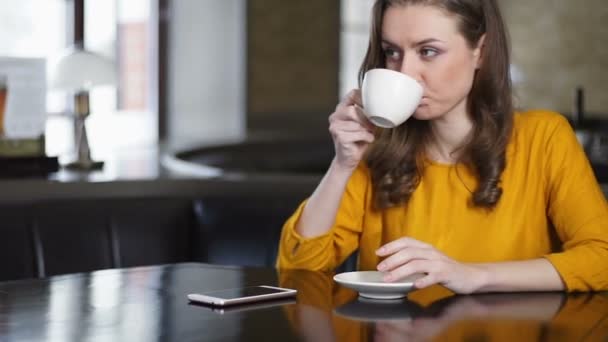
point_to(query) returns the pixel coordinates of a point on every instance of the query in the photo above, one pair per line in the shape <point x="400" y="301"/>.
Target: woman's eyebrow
<point x="418" y="43"/>
<point x="427" y="41"/>
<point x="387" y="42"/>
<point x="390" y="44"/>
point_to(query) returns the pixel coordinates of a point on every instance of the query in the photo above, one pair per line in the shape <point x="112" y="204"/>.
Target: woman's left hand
<point x="407" y="256"/>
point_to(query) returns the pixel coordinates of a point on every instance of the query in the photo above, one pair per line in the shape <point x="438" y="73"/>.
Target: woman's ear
<point x="478" y="52"/>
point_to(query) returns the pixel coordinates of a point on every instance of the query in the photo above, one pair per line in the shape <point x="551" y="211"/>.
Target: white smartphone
<point x="241" y="295"/>
<point x="222" y="310"/>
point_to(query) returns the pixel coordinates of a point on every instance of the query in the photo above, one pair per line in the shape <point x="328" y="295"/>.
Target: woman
<point x="466" y="192"/>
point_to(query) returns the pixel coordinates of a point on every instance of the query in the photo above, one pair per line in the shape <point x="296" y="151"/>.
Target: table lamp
<point x="78" y="71"/>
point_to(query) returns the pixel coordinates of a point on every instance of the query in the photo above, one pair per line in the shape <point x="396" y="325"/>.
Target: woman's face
<point x="424" y="43"/>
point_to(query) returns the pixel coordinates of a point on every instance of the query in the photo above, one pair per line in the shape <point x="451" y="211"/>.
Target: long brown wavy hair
<point x="396" y="159"/>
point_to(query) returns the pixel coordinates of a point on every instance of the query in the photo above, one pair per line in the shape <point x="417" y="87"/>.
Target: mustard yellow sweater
<point x="548" y="179"/>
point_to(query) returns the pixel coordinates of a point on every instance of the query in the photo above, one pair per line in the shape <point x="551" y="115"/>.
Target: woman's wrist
<point x="482" y="277"/>
<point x="336" y="168"/>
<point x="524" y="275"/>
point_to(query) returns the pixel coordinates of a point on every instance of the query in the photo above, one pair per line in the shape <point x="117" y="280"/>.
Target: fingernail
<point x="381" y="267"/>
<point x="380" y="250"/>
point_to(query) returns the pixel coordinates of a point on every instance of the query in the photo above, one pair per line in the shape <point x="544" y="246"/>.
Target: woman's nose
<point x="408" y="67"/>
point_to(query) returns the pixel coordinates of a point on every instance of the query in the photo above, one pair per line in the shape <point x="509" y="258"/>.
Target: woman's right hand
<point x="351" y="131"/>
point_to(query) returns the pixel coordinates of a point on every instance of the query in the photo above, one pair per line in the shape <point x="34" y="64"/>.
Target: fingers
<point x="413" y="267"/>
<point x="399" y="244"/>
<point x="345" y="138"/>
<point x="351" y="113"/>
<point x="350" y="108"/>
<point x="353" y="97"/>
<point x="347" y="126"/>
<point x="350" y="125"/>
<point x="349" y="132"/>
<point x="405" y="256"/>
<point x="363" y="118"/>
<point x="416" y="266"/>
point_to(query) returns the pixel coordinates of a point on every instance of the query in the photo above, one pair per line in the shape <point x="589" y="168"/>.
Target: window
<point x="33" y="28"/>
<point x="356" y="19"/>
<point x="124" y="114"/>
<point x="124" y="31"/>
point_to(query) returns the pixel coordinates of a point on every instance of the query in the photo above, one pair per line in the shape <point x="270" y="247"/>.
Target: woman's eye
<point x="391" y="54"/>
<point x="428" y="52"/>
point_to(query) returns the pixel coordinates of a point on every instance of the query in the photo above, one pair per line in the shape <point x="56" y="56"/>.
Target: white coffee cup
<point x="389" y="97"/>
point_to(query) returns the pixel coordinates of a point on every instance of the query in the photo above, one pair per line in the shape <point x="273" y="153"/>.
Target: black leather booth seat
<point x="66" y="236"/>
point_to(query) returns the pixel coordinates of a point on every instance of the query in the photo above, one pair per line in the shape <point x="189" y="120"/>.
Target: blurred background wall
<point x="293" y="58"/>
<point x="557" y="46"/>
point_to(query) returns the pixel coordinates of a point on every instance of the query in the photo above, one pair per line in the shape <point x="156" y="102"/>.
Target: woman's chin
<point x="423" y="113"/>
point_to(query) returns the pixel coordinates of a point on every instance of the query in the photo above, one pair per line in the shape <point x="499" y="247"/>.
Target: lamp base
<point x="84" y="166"/>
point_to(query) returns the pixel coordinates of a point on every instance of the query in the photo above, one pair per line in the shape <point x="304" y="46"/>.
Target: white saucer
<point x="369" y="284"/>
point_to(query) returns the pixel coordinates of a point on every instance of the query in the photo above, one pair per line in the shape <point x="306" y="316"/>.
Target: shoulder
<point x="545" y="134"/>
<point x="540" y="126"/>
<point x="536" y="121"/>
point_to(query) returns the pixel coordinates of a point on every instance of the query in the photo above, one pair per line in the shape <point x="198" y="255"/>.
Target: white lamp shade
<point x="80" y="69"/>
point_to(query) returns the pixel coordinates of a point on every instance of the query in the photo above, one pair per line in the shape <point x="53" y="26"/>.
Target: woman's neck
<point x="449" y="134"/>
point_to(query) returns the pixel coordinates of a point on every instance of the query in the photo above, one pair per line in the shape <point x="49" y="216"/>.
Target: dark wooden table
<point x="149" y="304"/>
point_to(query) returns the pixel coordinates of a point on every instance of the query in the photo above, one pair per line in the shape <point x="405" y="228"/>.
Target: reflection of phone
<point x="241" y="295"/>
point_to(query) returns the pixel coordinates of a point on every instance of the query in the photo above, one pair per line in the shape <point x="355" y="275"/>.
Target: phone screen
<point x="243" y="292"/>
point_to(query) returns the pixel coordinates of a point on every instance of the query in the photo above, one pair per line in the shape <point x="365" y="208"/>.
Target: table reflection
<point x="329" y="312"/>
<point x="149" y="304"/>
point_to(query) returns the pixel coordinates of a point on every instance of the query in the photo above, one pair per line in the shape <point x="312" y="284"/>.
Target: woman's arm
<point x="325" y="249"/>
<point x="321" y="208"/>
<point x="407" y="256"/>
<point x="352" y="134"/>
<point x="578" y="210"/>
<point x="325" y="230"/>
<point x="529" y="275"/>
